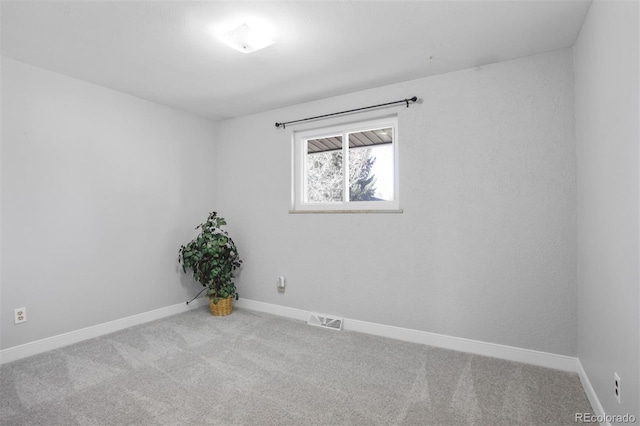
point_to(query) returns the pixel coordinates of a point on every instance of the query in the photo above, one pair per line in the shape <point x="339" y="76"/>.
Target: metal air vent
<point x="325" y="321"/>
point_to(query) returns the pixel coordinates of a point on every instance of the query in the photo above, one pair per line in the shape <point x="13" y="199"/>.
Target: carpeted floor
<point x="255" y="369"/>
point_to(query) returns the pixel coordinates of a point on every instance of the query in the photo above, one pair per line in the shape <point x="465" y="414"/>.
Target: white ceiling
<point x="165" y="51"/>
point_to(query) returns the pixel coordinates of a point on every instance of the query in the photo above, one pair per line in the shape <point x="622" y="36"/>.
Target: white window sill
<point x="344" y="211"/>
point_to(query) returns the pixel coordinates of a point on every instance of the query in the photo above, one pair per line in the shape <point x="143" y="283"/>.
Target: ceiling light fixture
<point x="246" y="39"/>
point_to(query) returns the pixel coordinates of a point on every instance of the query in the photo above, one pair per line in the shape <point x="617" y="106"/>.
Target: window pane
<point x="324" y="176"/>
<point x="371" y="165"/>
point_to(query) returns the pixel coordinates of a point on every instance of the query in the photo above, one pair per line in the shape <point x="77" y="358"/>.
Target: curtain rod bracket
<point x="284" y="124"/>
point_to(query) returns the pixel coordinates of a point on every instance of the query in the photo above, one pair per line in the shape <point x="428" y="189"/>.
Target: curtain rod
<point x="346" y="112"/>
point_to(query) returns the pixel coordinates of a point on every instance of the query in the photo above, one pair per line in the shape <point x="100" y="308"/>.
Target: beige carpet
<point x="255" y="369"/>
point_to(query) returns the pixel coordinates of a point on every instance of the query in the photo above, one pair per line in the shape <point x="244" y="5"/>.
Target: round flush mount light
<point x="246" y="38"/>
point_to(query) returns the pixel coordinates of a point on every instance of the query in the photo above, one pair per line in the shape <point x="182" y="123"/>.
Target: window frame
<point x="299" y="152"/>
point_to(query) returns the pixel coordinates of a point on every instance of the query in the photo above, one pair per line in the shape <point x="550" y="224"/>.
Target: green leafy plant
<point x="212" y="256"/>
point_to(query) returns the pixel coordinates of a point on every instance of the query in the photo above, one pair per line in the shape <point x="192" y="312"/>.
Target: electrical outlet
<point x="280" y="284"/>
<point x="19" y="315"/>
<point x="616" y="384"/>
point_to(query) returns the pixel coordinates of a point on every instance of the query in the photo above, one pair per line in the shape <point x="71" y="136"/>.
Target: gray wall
<point x="99" y="189"/>
<point x="485" y="248"/>
<point x="607" y="135"/>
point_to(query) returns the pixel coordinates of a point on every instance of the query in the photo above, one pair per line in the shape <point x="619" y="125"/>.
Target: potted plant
<point x="212" y="256"/>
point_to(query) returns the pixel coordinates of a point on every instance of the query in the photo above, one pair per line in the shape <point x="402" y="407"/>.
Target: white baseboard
<point x="269" y="308"/>
<point x="510" y="353"/>
<point x="591" y="393"/>
<point x="32" y="348"/>
<point x="543" y="359"/>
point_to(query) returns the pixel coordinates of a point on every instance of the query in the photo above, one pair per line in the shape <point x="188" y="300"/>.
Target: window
<point x="352" y="167"/>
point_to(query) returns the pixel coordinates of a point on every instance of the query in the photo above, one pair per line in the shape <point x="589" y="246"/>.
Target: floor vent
<point x="325" y="322"/>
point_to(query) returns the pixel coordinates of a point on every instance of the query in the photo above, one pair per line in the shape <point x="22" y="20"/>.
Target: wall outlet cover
<point x="19" y="315"/>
